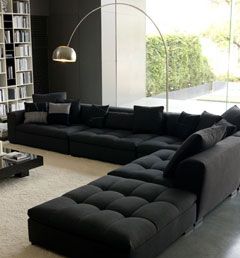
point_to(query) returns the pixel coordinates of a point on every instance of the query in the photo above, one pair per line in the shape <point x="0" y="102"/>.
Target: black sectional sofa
<point x="167" y="183"/>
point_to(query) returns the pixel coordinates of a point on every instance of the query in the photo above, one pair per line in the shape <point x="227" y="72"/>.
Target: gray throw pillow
<point x="37" y="117"/>
<point x="35" y="113"/>
<point x="59" y="113"/>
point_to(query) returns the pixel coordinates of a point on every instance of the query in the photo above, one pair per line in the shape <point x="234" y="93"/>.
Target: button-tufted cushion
<point x="157" y="143"/>
<point x="118" y="212"/>
<point x="148" y="168"/>
<point x="117" y="139"/>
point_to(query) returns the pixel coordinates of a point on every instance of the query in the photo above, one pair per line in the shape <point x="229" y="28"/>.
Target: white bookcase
<point x="16" y="68"/>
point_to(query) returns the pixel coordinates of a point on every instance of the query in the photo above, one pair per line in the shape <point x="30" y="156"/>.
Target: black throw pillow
<point x="148" y="120"/>
<point x="75" y="110"/>
<point x="96" y="116"/>
<point x="186" y="125"/>
<point x="230" y="128"/>
<point x="207" y="120"/>
<point x="34" y="107"/>
<point x="197" y="142"/>
<point x="232" y="115"/>
<point x="49" y="97"/>
<point x="35" y="113"/>
<point x="59" y="113"/>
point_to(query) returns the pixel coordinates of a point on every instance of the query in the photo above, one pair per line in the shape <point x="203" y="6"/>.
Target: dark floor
<point x="217" y="237"/>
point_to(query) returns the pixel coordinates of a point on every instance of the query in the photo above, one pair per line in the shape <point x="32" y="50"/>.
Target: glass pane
<point x="197" y="35"/>
<point x="233" y="93"/>
<point x="198" y="59"/>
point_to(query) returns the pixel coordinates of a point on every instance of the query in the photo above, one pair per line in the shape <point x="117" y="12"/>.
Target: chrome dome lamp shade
<point x="64" y="54"/>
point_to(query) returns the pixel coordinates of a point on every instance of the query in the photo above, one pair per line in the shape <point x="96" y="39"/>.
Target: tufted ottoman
<point x="113" y="217"/>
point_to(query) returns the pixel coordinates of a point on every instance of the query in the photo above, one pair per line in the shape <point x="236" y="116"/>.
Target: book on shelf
<point x="9" y="55"/>
<point x="21" y="105"/>
<point x="2" y="66"/>
<point x="16" y="156"/>
<point x="8" y="37"/>
<point x="24" y="78"/>
<point x="3" y="96"/>
<point x="22" y="64"/>
<point x="13" y="107"/>
<point x="3" y="110"/>
<point x="21" y="22"/>
<point x="22" y="50"/>
<point x="22" y="92"/>
<point x="1" y="52"/>
<point x="13" y="93"/>
<point x="21" y="7"/>
<point x="10" y="72"/>
<point x="22" y="36"/>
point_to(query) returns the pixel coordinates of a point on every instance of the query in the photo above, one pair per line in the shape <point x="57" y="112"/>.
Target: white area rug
<point x="60" y="174"/>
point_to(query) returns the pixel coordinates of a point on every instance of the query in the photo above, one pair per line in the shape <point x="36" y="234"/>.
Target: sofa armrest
<point x="14" y="119"/>
<point x="212" y="174"/>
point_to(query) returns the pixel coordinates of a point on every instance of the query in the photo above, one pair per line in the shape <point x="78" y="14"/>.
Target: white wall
<point x="123" y="53"/>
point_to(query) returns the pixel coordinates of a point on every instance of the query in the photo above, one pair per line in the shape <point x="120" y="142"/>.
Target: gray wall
<point x="40" y="7"/>
<point x="81" y="80"/>
<point x="39" y="20"/>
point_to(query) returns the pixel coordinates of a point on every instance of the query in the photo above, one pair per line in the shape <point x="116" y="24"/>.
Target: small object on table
<point x="18" y="168"/>
<point x="16" y="156"/>
<point x="1" y="149"/>
<point x="3" y="131"/>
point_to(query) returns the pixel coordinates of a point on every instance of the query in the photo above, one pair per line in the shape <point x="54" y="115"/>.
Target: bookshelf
<point x="16" y="69"/>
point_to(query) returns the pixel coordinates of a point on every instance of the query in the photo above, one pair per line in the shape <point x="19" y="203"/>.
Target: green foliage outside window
<point x="187" y="66"/>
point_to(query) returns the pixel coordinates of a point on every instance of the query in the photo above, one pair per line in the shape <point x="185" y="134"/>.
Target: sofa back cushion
<point x="50" y="97"/>
<point x="121" y="110"/>
<point x="186" y="125"/>
<point x="119" y="120"/>
<point x="207" y="120"/>
<point x="148" y="120"/>
<point x="94" y="115"/>
<point x="232" y="115"/>
<point x="197" y="142"/>
<point x="171" y="122"/>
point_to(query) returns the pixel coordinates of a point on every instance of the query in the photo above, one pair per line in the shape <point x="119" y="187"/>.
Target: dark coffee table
<point x="21" y="168"/>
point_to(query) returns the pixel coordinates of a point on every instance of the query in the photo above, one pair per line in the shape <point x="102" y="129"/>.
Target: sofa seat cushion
<point x="148" y="168"/>
<point x="116" y="139"/>
<point x="120" y="213"/>
<point x="159" y="142"/>
<point x="55" y="131"/>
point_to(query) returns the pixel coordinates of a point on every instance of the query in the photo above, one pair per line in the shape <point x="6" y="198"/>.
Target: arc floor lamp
<point x="66" y="54"/>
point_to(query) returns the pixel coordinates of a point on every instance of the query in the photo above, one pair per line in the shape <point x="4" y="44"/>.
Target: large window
<point x="203" y="42"/>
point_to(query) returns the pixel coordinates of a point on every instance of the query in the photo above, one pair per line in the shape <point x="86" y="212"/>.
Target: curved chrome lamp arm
<point x="67" y="54"/>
